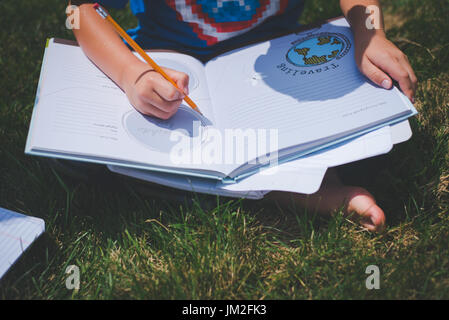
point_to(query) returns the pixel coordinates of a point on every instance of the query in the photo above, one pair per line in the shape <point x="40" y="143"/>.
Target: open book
<point x="262" y="105"/>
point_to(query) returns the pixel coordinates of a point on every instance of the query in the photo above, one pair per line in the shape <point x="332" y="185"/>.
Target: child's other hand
<point x="376" y="57"/>
<point x="151" y="94"/>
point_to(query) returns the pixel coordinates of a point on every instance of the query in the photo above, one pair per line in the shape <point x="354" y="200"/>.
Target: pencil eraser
<point x="96" y="6"/>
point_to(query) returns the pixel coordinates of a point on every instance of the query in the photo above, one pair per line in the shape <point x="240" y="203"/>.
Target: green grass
<point x="128" y="245"/>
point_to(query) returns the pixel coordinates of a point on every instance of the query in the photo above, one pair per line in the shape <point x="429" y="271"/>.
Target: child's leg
<point x="333" y="195"/>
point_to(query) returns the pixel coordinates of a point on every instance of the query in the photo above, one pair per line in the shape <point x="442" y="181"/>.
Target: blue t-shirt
<point x="204" y="27"/>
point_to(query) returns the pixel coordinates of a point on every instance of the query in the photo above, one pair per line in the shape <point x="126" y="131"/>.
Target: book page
<point x="81" y="114"/>
<point x="303" y="175"/>
<point x="306" y="86"/>
<point x="192" y="184"/>
<point x="17" y="233"/>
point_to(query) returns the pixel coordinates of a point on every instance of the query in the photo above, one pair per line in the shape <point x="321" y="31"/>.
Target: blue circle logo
<point x="318" y="49"/>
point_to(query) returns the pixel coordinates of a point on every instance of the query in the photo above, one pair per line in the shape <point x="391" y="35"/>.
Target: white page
<point x="303" y="175"/>
<point x="369" y="145"/>
<point x="401" y="132"/>
<point x="372" y="144"/>
<point x="17" y="232"/>
<point x="269" y="92"/>
<point x="286" y="177"/>
<point x="289" y="177"/>
<point x="81" y="114"/>
<point x="193" y="184"/>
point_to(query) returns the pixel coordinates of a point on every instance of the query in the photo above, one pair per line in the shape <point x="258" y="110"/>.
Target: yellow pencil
<point x="142" y="53"/>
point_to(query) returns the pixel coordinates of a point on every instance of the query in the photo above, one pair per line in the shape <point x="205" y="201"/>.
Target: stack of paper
<point x="17" y="232"/>
<point x="304" y="175"/>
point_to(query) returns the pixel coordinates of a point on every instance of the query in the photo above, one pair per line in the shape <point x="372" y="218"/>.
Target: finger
<point x="397" y="72"/>
<point x="180" y="78"/>
<point x="146" y="99"/>
<point x="159" y="102"/>
<point x="165" y="89"/>
<point x="151" y="110"/>
<point x="375" y="74"/>
<point x="403" y="60"/>
<point x="151" y="90"/>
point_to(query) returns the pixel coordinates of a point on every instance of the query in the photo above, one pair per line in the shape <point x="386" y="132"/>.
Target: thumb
<point x="375" y="74"/>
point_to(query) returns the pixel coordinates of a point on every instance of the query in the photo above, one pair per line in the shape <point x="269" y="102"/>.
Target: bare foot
<point x="356" y="202"/>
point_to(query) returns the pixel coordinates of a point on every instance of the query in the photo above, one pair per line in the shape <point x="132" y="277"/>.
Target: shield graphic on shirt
<point x="218" y="20"/>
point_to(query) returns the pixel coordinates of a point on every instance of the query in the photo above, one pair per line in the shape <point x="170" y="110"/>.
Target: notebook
<point x="263" y="105"/>
<point x="17" y="232"/>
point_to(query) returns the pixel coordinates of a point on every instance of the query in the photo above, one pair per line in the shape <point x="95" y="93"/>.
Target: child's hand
<point x="151" y="94"/>
<point x="376" y="57"/>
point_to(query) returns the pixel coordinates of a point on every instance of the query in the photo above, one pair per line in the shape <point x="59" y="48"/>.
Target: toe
<point x="364" y="205"/>
<point x="373" y="219"/>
